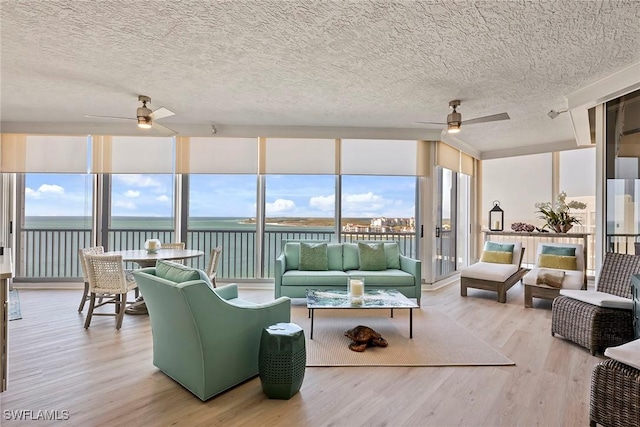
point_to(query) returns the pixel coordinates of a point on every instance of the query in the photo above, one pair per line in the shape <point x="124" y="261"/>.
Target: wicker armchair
<point x="177" y="245"/>
<point x="592" y="326"/>
<point x="212" y="267"/>
<point x="615" y="395"/>
<point x="85" y="277"/>
<point x="108" y="281"/>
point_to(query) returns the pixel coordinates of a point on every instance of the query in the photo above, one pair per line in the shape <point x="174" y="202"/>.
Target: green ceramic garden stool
<point x="282" y="360"/>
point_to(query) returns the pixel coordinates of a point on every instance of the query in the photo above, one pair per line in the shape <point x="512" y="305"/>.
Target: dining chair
<point x="85" y="277"/>
<point x="109" y="281"/>
<point x="176" y="245"/>
<point x="212" y="267"/>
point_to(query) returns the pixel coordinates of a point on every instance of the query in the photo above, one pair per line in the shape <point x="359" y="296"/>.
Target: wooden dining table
<point x="146" y="258"/>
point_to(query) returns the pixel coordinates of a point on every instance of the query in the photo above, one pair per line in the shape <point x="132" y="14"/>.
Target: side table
<point x="282" y="360"/>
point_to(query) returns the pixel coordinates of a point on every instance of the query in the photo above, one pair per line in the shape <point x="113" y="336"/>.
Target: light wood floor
<point x="104" y="377"/>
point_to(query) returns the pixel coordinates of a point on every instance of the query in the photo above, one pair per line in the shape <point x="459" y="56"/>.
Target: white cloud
<point x="138" y="180"/>
<point x="132" y="193"/>
<point x="125" y="204"/>
<point x="280" y="206"/>
<point x="163" y="198"/>
<point x="323" y="203"/>
<point x="362" y="198"/>
<point x="44" y="189"/>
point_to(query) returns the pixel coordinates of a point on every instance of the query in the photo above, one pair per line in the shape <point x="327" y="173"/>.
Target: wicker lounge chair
<point x="615" y="388"/>
<point x="599" y="326"/>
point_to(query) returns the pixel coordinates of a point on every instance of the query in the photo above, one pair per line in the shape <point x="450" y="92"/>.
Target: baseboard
<point x="441" y="283"/>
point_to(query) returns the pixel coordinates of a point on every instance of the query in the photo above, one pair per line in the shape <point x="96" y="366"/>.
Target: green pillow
<point x="392" y="253"/>
<point x="498" y="247"/>
<point x="292" y="255"/>
<point x="313" y="257"/>
<point x="557" y="250"/>
<point x="372" y="257"/>
<point x="557" y="261"/>
<point x="496" y="257"/>
<point x="334" y="255"/>
<point x="175" y="272"/>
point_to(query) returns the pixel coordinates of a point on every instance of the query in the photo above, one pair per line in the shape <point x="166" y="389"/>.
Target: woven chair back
<point x="82" y="253"/>
<point x="214" y="260"/>
<point x="615" y="276"/>
<point x="106" y="274"/>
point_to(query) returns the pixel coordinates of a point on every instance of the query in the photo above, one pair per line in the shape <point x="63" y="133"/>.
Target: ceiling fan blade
<point x="432" y="123"/>
<point x="109" y="117"/>
<point x="163" y="129"/>
<point x="493" y="118"/>
<point x="161" y="113"/>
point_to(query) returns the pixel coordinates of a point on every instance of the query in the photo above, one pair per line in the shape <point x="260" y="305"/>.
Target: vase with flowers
<point x="557" y="216"/>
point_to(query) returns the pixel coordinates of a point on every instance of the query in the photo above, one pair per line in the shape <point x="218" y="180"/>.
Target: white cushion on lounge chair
<point x="628" y="353"/>
<point x="601" y="299"/>
<point x="489" y="271"/>
<point x="572" y="279"/>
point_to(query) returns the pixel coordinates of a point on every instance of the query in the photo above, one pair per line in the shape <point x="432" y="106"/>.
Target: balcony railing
<point x="52" y="254"/>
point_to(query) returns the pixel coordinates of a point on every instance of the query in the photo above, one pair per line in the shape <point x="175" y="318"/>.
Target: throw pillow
<point x="392" y="253"/>
<point x="350" y="256"/>
<point x="371" y="256"/>
<point x="498" y="247"/>
<point x="175" y="272"/>
<point x="496" y="257"/>
<point x="557" y="250"/>
<point x="313" y="257"/>
<point x="557" y="261"/>
<point x="551" y="278"/>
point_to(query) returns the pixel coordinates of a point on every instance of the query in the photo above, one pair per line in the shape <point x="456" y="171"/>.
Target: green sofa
<point x="206" y="339"/>
<point x="293" y="278"/>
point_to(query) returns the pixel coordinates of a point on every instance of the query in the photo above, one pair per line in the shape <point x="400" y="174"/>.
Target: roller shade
<point x="454" y="159"/>
<point x="466" y="164"/>
<point x="217" y="155"/>
<point x="300" y="156"/>
<point x="379" y="157"/>
<point x="43" y="154"/>
<point x="123" y="154"/>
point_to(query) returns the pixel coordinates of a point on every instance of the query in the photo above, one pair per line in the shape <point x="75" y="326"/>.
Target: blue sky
<point x="225" y="195"/>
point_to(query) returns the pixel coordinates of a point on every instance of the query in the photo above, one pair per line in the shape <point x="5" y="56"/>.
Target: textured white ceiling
<point x="335" y="64"/>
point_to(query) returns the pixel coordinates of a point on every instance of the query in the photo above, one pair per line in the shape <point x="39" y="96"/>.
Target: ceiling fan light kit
<point x="145" y="117"/>
<point x="454" y="119"/>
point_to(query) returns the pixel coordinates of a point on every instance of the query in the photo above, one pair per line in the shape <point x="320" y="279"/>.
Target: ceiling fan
<point x="145" y="117"/>
<point x="454" y="119"/>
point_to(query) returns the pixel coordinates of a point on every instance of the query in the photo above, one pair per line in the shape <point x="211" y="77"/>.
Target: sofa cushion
<point x="558" y="250"/>
<point x="628" y="353"/>
<point x="389" y="278"/>
<point x="572" y="279"/>
<point x="392" y="253"/>
<point x="498" y="257"/>
<point x="317" y="278"/>
<point x="350" y="256"/>
<point x="601" y="299"/>
<point x="313" y="257"/>
<point x="557" y="261"/>
<point x="175" y="272"/>
<point x="489" y="271"/>
<point x="292" y="255"/>
<point x="372" y="256"/>
<point x="334" y="255"/>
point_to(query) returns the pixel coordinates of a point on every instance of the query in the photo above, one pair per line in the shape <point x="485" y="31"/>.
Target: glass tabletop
<point x="373" y="298"/>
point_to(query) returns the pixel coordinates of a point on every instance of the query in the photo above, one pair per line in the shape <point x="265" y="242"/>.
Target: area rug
<point x="14" y="305"/>
<point x="437" y="339"/>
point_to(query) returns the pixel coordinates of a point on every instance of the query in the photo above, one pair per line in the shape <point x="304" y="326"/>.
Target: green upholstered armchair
<point x="206" y="339"/>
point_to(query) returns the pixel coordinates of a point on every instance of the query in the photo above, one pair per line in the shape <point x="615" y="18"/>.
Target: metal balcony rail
<point x="52" y="254"/>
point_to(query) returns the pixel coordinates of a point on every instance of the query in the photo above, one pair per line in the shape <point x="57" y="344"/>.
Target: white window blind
<point x="379" y="157"/>
<point x="124" y="154"/>
<point x="43" y="153"/>
<point x="453" y="159"/>
<point x="218" y="155"/>
<point x="300" y="156"/>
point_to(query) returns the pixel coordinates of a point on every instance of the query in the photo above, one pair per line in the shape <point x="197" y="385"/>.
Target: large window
<point x="379" y="207"/>
<point x="222" y="212"/>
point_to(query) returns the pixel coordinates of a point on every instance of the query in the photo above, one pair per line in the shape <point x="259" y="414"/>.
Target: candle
<point x="496" y="225"/>
<point x="152" y="245"/>
<point x="357" y="287"/>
